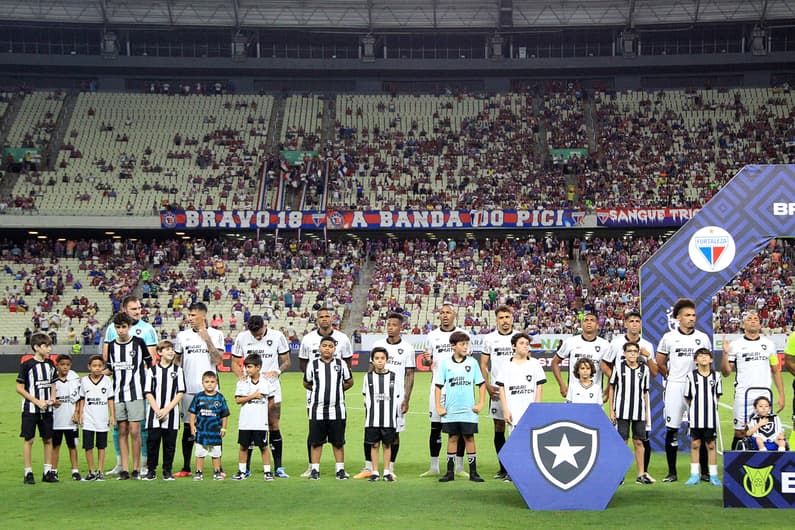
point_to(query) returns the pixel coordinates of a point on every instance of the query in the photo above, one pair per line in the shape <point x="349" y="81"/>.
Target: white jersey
<point x="499" y="350"/>
<point x="401" y="357"/>
<point x="96" y="415"/>
<point x="581" y="394"/>
<point x="616" y="352"/>
<point x="680" y="350"/>
<point x="269" y="347"/>
<point x="67" y="391"/>
<point x="310" y="345"/>
<point x="195" y="356"/>
<point x="753" y="359"/>
<point x="577" y="347"/>
<point x="254" y="413"/>
<point x="520" y="381"/>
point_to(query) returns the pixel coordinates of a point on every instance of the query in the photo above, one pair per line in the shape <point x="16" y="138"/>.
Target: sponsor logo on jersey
<point x="565" y="452"/>
<point x="711" y="249"/>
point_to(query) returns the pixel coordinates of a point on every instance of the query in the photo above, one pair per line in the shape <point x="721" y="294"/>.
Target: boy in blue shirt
<point x="458" y="376"/>
<point x="209" y="414"/>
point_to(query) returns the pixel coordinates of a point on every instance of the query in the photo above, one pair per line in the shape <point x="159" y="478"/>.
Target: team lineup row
<point x="182" y="388"/>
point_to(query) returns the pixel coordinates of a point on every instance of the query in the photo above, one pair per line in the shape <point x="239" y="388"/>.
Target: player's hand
<point x="476" y="408"/>
<point x="612" y="417"/>
<point x="273" y="374"/>
<point x="112" y="422"/>
<point x="564" y="390"/>
<point x="605" y="397"/>
<point x="404" y="407"/>
<point x="494" y="392"/>
<point x="763" y="421"/>
<point x="779" y="404"/>
<point x="508" y="418"/>
<point x="57" y="403"/>
<point x="441" y="411"/>
<point x="427" y="359"/>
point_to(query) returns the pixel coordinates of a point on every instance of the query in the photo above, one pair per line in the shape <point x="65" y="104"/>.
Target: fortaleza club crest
<point x="711" y="249"/>
<point x="565" y="452"/>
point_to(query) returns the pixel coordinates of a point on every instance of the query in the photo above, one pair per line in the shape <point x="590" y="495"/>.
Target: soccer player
<point x="131" y="305"/>
<point x="438" y="350"/>
<point x="310" y="350"/>
<point x="633" y="325"/>
<point x="253" y="394"/>
<point x="588" y="344"/>
<point x="127" y="359"/>
<point x="97" y="415"/>
<point x="582" y="388"/>
<point x="401" y="361"/>
<point x="209" y="415"/>
<point x="36" y="384"/>
<point x="381" y="398"/>
<point x="66" y="415"/>
<point x="675" y="359"/>
<point x="327" y="378"/>
<point x="164" y="388"/>
<point x="199" y="349"/>
<point x="755" y="359"/>
<point x="497" y="351"/>
<point x="272" y="347"/>
<point x="628" y="395"/>
<point x="458" y="376"/>
<point x="765" y="427"/>
<point x="702" y="394"/>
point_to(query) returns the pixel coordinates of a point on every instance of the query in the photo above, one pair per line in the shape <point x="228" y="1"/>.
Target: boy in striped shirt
<point x="629" y="403"/>
<point x="702" y="395"/>
<point x="36" y="384"/>
<point x="163" y="388"/>
<point x="380" y="406"/>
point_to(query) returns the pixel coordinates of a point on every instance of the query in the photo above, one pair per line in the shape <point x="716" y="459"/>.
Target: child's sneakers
<point x="643" y="479"/>
<point x="314" y="474"/>
<point x="167" y="475"/>
<point x="29" y="478"/>
<point x="50" y="476"/>
<point x="198" y="475"/>
<point x="181" y="474"/>
<point x="342" y="475"/>
<point x="123" y="475"/>
<point x="76" y="476"/>
<point x="268" y="476"/>
<point x="218" y="475"/>
<point x="151" y="475"/>
<point x="281" y="473"/>
<point x="715" y="481"/>
<point x="389" y="477"/>
<point x="100" y="477"/>
<point x="374" y="477"/>
<point x="693" y="480"/>
<point x="240" y="475"/>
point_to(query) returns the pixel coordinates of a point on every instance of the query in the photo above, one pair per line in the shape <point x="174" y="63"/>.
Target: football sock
<point x="671" y="446"/>
<point x="368" y="448"/>
<point x="395" y="449"/>
<point x="248" y="459"/>
<point x="499" y="441"/>
<point x="703" y="459"/>
<point x="450" y="463"/>
<point x="276" y="448"/>
<point x="461" y="449"/>
<point x="435" y="439"/>
<point x="187" y="447"/>
<point x="473" y="463"/>
<point x="646" y="454"/>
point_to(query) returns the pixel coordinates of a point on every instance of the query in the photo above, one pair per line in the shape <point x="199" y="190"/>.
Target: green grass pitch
<point x="298" y="503"/>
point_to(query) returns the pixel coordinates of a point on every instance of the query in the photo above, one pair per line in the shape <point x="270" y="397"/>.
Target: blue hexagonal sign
<point x="563" y="456"/>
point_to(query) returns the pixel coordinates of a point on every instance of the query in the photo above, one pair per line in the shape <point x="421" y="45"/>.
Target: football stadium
<point x="231" y="225"/>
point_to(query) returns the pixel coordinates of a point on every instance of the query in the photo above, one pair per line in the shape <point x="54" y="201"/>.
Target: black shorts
<point x="638" y="429"/>
<point x="705" y="435"/>
<point x="460" y="428"/>
<point x="89" y="439"/>
<point x="252" y="438"/>
<point x="67" y="435"/>
<point x="33" y="420"/>
<point x="331" y="431"/>
<point x="373" y="435"/>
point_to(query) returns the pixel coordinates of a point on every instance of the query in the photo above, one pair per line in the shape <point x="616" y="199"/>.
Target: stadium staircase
<point x="541" y="145"/>
<point x="275" y="125"/>
<point x="589" y="109"/>
<point x="353" y="320"/>
<point x="50" y="154"/>
<point x="9" y="117"/>
<point x="579" y="267"/>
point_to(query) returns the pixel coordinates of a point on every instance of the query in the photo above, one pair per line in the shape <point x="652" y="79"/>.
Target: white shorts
<point x="435" y="418"/>
<point x="675" y="404"/>
<point x="213" y="451"/>
<point x="744" y="410"/>
<point x="184" y="405"/>
<point x="495" y="409"/>
<point x="277" y="389"/>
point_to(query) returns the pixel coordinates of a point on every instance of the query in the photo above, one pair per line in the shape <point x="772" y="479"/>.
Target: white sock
<point x="339" y="465"/>
<point x="695" y="469"/>
<point x="267" y="469"/>
<point x="47" y="467"/>
<point x="459" y="462"/>
<point x="316" y="467"/>
<point x="368" y="465"/>
<point x="28" y="470"/>
<point x="435" y="463"/>
<point x="713" y="470"/>
<point x="241" y="466"/>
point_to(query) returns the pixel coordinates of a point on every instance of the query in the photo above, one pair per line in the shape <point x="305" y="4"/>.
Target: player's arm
<point x="192" y="423"/>
<point x="606" y="367"/>
<point x="564" y="388"/>
<point x="105" y="356"/>
<point x="111" y="412"/>
<point x="302" y="364"/>
<point x="237" y="367"/>
<point x="437" y="396"/>
<point x="307" y="379"/>
<point x="725" y="365"/>
<point x="408" y="386"/>
<point x="224" y="423"/>
<point x="662" y="364"/>
<point x="611" y="396"/>
<point x="347" y="383"/>
<point x="779" y="383"/>
<point x="494" y="392"/>
<point x="539" y="392"/>
<point x="481" y="398"/>
<point x="284" y="362"/>
<point x="152" y="403"/>
<point x="427" y="358"/>
<point x="651" y="362"/>
<point x="173" y="403"/>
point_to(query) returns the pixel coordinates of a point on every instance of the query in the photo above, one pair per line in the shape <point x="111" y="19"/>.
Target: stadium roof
<point x="380" y="15"/>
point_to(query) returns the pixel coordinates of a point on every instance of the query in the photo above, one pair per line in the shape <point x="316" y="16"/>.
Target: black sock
<point x="646" y="454"/>
<point x="276" y="448"/>
<point x="395" y="449"/>
<point x="435" y="439"/>
<point x="499" y="441"/>
<point x="368" y="452"/>
<point x="473" y="463"/>
<point x="450" y="463"/>
<point x="461" y="449"/>
<point x="308" y="451"/>
<point x="703" y="459"/>
<point x="248" y="459"/>
<point x="671" y="447"/>
<point x="187" y="447"/>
